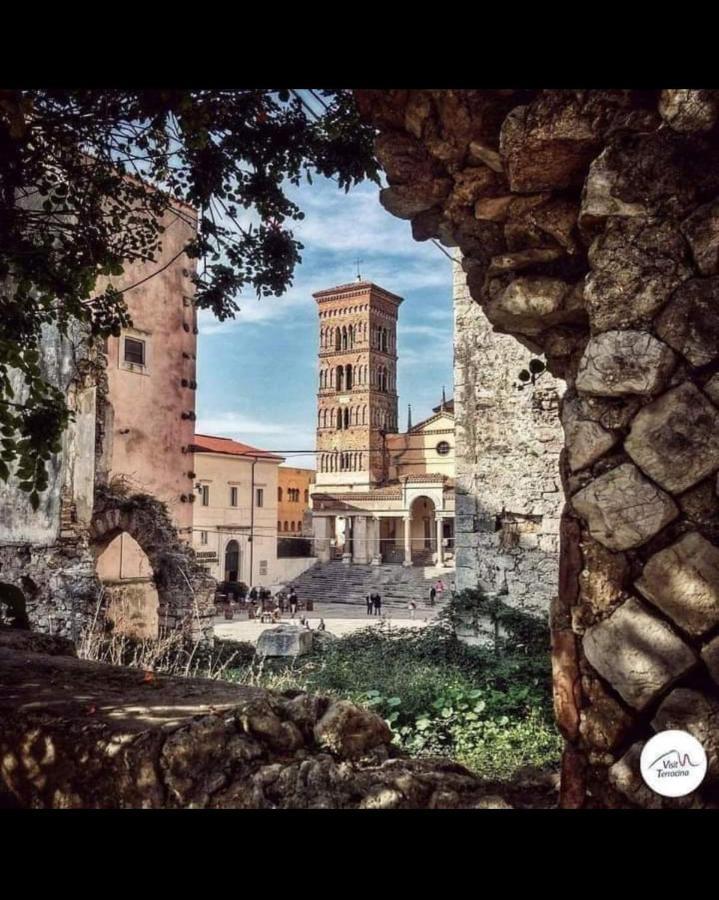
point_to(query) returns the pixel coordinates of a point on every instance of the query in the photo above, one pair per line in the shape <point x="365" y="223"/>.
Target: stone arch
<point x="184" y="590"/>
<point x="601" y="162"/>
<point x="13" y="606"/>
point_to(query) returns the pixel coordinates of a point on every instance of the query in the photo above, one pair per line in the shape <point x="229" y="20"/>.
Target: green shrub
<point x="489" y="710"/>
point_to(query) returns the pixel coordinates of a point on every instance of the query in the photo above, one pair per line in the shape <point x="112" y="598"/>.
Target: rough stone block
<point x="637" y="263"/>
<point x="587" y="441"/>
<point x="690" y="321"/>
<point x="284" y="640"/>
<point x="711" y="389"/>
<point x="623" y="509"/>
<point x="710" y="655"/>
<point x="687" y="710"/>
<point x="638" y="654"/>
<point x="625" y="776"/>
<point x="675" y="439"/>
<point x="683" y="581"/>
<point x="618" y="363"/>
<point x="701" y="230"/>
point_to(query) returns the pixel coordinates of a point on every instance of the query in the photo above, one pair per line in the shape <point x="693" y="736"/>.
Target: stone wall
<point x="82" y="735"/>
<point x="588" y="222"/>
<point x="508" y="489"/>
<point x="45" y="553"/>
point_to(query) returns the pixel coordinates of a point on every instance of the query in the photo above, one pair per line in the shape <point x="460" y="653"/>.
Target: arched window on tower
<point x="348" y="376"/>
<point x="344" y="337"/>
<point x="347" y="417"/>
<point x="364" y="415"/>
<point x="384" y="339"/>
<point x="340" y="379"/>
<point x="338" y="338"/>
<point x="279" y="494"/>
<point x="339" y="420"/>
<point x="351" y="336"/>
<point x="332" y="418"/>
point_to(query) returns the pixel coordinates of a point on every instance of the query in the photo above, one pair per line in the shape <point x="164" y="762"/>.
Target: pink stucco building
<point x="148" y="423"/>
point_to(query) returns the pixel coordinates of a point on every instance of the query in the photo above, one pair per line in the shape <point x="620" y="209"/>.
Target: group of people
<point x="374" y="604"/>
<point x="261" y="602"/>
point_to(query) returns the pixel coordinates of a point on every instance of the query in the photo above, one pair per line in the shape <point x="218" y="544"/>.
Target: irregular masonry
<point x="588" y="229"/>
<point x="508" y="494"/>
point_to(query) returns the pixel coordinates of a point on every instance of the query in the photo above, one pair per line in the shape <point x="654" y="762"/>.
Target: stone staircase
<point x="335" y="582"/>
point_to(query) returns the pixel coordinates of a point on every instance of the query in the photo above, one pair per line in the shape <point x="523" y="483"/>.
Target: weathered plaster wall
<point x="507" y="449"/>
<point x="45" y="553"/>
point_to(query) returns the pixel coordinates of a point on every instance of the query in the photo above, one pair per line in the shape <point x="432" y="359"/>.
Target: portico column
<point x="440" y="548"/>
<point x="360" y="540"/>
<point x="321" y="529"/>
<point x="407" y="541"/>
<point x="375" y="552"/>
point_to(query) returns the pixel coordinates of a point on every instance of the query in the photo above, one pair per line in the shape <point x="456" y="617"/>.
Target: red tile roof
<point x="207" y="443"/>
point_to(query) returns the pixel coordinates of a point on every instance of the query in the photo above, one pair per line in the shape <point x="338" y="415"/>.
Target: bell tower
<point x="357" y="396"/>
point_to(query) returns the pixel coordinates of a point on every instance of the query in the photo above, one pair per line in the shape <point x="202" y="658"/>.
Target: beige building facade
<point x="381" y="495"/>
<point x="234" y="532"/>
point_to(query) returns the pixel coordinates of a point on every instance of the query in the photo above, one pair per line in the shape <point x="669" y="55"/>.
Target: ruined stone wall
<point x="589" y="227"/>
<point x="508" y="489"/>
<point x="45" y="553"/>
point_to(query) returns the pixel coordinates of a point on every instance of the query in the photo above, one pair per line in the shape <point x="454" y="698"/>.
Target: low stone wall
<point x="58" y="583"/>
<point x="77" y="734"/>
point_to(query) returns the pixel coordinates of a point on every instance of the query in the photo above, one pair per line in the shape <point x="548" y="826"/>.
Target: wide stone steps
<point x="335" y="582"/>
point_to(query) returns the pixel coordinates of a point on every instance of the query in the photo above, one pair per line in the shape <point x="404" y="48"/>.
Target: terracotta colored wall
<point x="148" y="433"/>
<point x="288" y="511"/>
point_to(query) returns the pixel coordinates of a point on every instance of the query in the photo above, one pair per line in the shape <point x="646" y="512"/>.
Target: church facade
<point x="381" y="495"/>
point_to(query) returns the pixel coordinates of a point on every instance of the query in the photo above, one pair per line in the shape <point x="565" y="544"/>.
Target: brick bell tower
<point x="357" y="397"/>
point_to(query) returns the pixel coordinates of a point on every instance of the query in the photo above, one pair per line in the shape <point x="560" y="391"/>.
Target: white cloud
<point x="261" y="434"/>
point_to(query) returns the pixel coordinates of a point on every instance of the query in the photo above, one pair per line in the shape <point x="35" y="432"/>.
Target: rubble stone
<point x="623" y="509"/>
<point x="690" y="321"/>
<point x="637" y="653"/>
<point x="710" y="655"/>
<point x="689" y="110"/>
<point x="675" y="439"/>
<point x="586" y="440"/>
<point x="683" y="581"/>
<point x="637" y="263"/>
<point x="618" y="363"/>
<point x="701" y="229"/>
<point x="689" y="710"/>
<point x="531" y="304"/>
<point x="625" y="776"/>
<point x="407" y="201"/>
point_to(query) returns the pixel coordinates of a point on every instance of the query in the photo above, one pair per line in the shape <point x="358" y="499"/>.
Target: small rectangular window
<point x="134" y="351"/>
<point x="205" y="494"/>
<point x="263" y="567"/>
<point x="260" y="497"/>
<point x="203" y="537"/>
<point x="233" y="496"/>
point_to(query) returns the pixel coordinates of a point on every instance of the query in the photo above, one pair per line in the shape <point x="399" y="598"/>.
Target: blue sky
<point x="257" y="374"/>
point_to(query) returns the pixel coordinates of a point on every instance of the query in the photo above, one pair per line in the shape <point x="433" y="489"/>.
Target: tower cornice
<point x="356" y="289"/>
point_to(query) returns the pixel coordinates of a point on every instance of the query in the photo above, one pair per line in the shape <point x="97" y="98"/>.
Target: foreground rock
<point x="77" y="734"/>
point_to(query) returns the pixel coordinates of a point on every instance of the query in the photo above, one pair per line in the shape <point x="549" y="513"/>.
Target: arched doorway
<point x="13" y="611"/>
<point x="232" y="561"/>
<point x="131" y="599"/>
<point x="184" y="590"/>
<point x="422" y="536"/>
